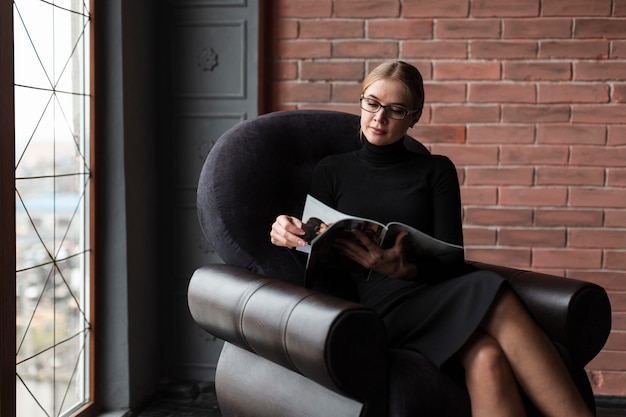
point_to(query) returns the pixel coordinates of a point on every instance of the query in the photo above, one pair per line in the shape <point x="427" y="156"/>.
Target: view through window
<point x="52" y="144"/>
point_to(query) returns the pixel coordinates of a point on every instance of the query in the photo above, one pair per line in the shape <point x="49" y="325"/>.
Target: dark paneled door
<point x="214" y="85"/>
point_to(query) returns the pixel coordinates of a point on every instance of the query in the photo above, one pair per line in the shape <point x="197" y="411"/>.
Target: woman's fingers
<point x="287" y="231"/>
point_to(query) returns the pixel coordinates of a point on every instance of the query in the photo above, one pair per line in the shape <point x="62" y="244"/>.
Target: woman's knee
<point x="483" y="358"/>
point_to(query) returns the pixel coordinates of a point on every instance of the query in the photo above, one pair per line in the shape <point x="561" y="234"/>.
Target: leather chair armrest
<point x="339" y="344"/>
<point x="576" y="314"/>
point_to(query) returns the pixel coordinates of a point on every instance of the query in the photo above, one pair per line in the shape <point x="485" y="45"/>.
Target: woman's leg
<point x="533" y="358"/>
<point x="490" y="382"/>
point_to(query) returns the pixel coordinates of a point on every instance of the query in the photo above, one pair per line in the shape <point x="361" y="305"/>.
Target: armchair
<point x="291" y="351"/>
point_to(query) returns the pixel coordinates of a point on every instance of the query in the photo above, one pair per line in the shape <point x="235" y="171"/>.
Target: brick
<point x="618" y="49"/>
<point x="439" y="8"/>
<point x="498" y="216"/>
<point x="500" y="176"/>
<point x="367" y="8"/>
<point x="499" y="8"/>
<point x="533" y="196"/>
<point x="604" y="114"/>
<point x="596" y="238"/>
<point x="304" y="8"/>
<point x="615" y="341"/>
<point x="346" y="93"/>
<point x="618" y="94"/>
<point x="536" y="28"/>
<point x="331" y="29"/>
<point x="616" y="136"/>
<point x="331" y="107"/>
<point x="573" y="93"/>
<point x="606" y="279"/>
<point x="534" y="155"/>
<point x="434" y="49"/>
<point x="598" y="156"/>
<point x="618" y="306"/>
<point x="503" y="49"/>
<point x="619" y="319"/>
<point x="571" y="134"/>
<point x="479" y="236"/>
<point x="599" y="71"/>
<point x="532" y="237"/>
<point x="574" y="49"/>
<point x="538" y="113"/>
<point x="303" y="49"/>
<point x="616" y="178"/>
<point x="501" y="134"/>
<point x="285" y="91"/>
<point x="479" y="195"/>
<point x="465" y="114"/>
<point x="501" y="92"/>
<point x="330" y="71"/>
<point x="467" y="28"/>
<point x="615" y="218"/>
<point x="619" y="9"/>
<point x="537" y="71"/>
<point x="460" y="172"/>
<point x="568" y="217"/>
<point x="466" y="71"/>
<point x="598" y="197"/>
<point x="615" y="259"/>
<point x="610" y="360"/>
<point x="284" y="70"/>
<point x="282" y="106"/>
<point x="439" y="134"/>
<point x="576" y="8"/>
<point x="468" y="155"/>
<point x="576" y="176"/>
<point x="567" y="258"/>
<point x="365" y="49"/>
<point x="445" y="92"/>
<point x="511" y="257"/>
<point x="287" y="29"/>
<point x="400" y="29"/>
<point x="600" y="28"/>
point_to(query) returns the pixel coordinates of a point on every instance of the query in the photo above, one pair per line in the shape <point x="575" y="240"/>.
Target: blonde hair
<point x="407" y="74"/>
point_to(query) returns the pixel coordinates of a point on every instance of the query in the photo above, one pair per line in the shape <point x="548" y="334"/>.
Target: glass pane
<point x="52" y="213"/>
<point x="34" y="48"/>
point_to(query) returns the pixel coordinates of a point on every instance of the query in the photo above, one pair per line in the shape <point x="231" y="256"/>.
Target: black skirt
<point x="433" y="319"/>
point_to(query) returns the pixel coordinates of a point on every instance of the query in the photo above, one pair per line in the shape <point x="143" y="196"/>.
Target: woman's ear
<point x="416" y="116"/>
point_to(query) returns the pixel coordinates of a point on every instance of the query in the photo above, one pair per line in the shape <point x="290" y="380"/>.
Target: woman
<point x="472" y="319"/>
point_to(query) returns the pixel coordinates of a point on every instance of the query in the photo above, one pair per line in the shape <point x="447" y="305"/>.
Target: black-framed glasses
<point x="392" y="111"/>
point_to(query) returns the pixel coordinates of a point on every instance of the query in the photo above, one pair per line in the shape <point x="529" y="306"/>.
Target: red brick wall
<point x="528" y="98"/>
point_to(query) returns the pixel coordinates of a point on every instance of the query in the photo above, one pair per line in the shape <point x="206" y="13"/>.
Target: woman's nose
<point x="381" y="113"/>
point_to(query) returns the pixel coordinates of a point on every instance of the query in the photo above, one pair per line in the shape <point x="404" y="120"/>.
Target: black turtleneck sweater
<point x="389" y="183"/>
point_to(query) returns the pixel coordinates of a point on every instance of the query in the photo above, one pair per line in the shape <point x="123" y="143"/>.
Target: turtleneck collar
<point x="384" y="154"/>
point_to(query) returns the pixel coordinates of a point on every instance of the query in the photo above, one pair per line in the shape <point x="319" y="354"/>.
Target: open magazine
<point x="324" y="224"/>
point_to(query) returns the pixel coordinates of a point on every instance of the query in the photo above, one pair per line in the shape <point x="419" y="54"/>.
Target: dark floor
<point x="199" y="400"/>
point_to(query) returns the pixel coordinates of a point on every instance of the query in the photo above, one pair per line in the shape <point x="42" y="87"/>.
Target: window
<point x="52" y="206"/>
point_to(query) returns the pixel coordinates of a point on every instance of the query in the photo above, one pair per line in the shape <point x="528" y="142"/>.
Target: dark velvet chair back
<point x="273" y="157"/>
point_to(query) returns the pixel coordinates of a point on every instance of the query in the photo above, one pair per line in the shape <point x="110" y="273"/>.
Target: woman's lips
<point x="376" y="130"/>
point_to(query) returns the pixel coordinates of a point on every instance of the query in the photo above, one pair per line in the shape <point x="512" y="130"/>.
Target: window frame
<point x="7" y="208"/>
<point x="7" y="219"/>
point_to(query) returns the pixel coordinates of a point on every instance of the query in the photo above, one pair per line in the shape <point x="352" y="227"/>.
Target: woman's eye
<point x="397" y="111"/>
<point x="372" y="104"/>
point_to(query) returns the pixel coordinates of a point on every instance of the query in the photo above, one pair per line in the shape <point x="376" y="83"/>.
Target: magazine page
<point x="317" y="218"/>
<point x="419" y="243"/>
<point x="324" y="254"/>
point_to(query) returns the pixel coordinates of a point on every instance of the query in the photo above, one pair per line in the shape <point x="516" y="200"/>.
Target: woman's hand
<point x="390" y="262"/>
<point x="287" y="232"/>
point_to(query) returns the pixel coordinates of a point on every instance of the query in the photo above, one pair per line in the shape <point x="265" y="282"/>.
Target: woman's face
<point x="377" y="127"/>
